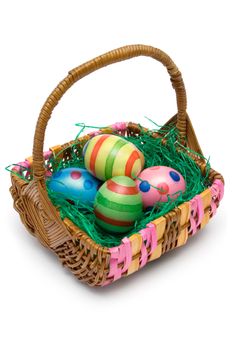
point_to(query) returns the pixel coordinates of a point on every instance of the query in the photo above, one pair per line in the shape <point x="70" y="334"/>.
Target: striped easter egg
<point x="118" y="204"/>
<point x="109" y="155"/>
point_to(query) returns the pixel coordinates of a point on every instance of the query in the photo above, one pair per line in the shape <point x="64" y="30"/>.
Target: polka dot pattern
<point x="159" y="184"/>
<point x="75" y="184"/>
<point x="75" y="175"/>
<point x="88" y="184"/>
<point x="174" y="175"/>
<point x="163" y="188"/>
<point x="157" y="167"/>
<point x="144" y="186"/>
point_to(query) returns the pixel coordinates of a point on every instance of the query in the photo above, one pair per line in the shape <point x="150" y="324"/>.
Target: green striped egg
<point x="109" y="155"/>
<point x="118" y="204"/>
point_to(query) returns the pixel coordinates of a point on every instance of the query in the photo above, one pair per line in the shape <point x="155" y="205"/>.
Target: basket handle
<point x="106" y="59"/>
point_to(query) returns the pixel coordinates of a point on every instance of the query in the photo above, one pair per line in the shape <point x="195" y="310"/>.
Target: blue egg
<point x="75" y="184"/>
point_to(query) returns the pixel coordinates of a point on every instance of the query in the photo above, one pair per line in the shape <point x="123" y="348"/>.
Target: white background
<point x="183" y="300"/>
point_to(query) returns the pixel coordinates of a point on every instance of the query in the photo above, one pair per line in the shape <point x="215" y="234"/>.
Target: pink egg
<point x="168" y="182"/>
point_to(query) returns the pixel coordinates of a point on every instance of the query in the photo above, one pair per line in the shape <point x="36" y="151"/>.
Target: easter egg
<point x="167" y="182"/>
<point x="118" y="204"/>
<point x="75" y="184"/>
<point x="107" y="155"/>
<point x="85" y="148"/>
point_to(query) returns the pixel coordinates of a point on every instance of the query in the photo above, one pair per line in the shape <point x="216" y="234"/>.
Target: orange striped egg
<point x="118" y="203"/>
<point x="109" y="155"/>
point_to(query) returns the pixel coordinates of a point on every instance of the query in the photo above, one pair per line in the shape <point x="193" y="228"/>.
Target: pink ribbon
<point x="119" y="126"/>
<point x="47" y="154"/>
<point x="197" y="213"/>
<point x="122" y="253"/>
<point x="149" y="239"/>
<point x="94" y="133"/>
<point x="217" y="192"/>
<point x="21" y="166"/>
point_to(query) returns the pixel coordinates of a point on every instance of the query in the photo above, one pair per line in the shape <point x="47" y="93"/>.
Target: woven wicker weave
<point x="90" y="262"/>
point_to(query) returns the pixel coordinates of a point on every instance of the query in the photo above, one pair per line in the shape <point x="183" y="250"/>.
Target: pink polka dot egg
<point x="158" y="184"/>
<point x="75" y="184"/>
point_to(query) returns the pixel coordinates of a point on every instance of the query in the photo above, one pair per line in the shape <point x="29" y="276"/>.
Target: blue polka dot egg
<point x="75" y="184"/>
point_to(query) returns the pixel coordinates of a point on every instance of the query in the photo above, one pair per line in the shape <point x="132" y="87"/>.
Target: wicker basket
<point x="90" y="262"/>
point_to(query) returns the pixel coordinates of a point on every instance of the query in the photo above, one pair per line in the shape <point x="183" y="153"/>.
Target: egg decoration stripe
<point x="136" y="166"/>
<point x="118" y="204"/>
<point x="111" y="157"/>
<point x="101" y="159"/>
<point x="108" y="155"/>
<point x="121" y="189"/>
<point x="130" y="163"/>
<point x="95" y="151"/>
<point x="120" y="197"/>
<point x="112" y="221"/>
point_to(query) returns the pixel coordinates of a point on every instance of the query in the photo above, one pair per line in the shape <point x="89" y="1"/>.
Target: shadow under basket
<point x="90" y="262"/>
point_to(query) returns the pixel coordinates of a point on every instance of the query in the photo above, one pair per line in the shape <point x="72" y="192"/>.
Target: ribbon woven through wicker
<point x="91" y="263"/>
